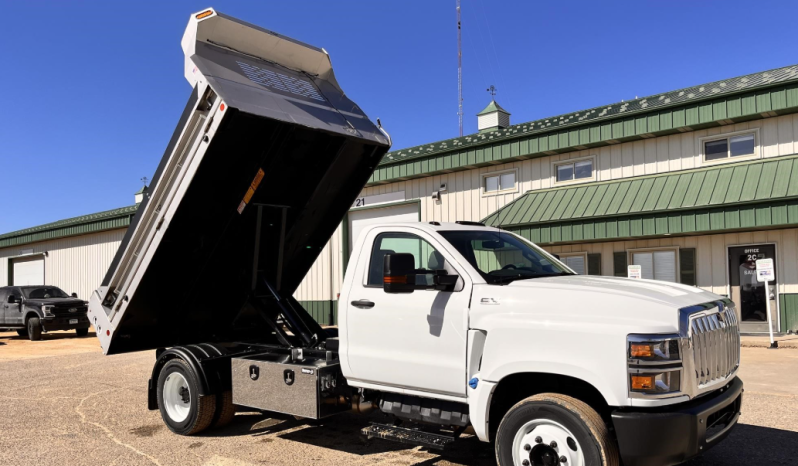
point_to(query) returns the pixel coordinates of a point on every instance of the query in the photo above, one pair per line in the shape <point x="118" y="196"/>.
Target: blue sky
<point x="93" y="89"/>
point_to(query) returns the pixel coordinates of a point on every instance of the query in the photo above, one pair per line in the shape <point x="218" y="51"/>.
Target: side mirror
<point x="74" y="295"/>
<point x="556" y="256"/>
<point x="13" y="299"/>
<point x="399" y="273"/>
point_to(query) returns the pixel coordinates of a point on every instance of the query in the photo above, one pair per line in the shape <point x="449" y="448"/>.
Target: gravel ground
<point x="64" y="403"/>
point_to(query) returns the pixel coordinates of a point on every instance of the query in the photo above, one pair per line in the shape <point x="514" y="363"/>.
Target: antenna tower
<point x="459" y="71"/>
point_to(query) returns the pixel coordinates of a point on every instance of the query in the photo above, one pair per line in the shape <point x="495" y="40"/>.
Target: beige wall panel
<point x="77" y="264"/>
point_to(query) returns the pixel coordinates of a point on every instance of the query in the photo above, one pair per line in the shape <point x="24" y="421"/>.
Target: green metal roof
<point x="108" y="220"/>
<point x="753" y="96"/>
<point x="493" y="106"/>
<point x="758" y="194"/>
<point x="706" y="187"/>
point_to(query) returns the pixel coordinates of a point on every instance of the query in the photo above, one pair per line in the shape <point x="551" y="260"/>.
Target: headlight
<point x="654" y="364"/>
<point x="48" y="310"/>
<point x="654" y="351"/>
<point x="655" y="383"/>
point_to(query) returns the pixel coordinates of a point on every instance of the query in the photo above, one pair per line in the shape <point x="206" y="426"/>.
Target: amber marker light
<point x="205" y="14"/>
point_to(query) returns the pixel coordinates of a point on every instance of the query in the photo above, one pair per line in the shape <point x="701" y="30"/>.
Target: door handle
<point x="363" y="304"/>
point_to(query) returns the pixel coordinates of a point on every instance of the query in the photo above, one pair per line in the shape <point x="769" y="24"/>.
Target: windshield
<point x="501" y="257"/>
<point x="44" y="292"/>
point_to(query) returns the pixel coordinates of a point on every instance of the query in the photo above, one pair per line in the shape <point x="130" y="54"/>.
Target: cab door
<point x="13" y="312"/>
<point x="414" y="341"/>
<point x="3" y="304"/>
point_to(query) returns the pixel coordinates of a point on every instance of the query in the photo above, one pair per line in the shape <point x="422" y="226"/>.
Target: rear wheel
<point x="34" y="329"/>
<point x="552" y="429"/>
<point x="183" y="410"/>
<point x="225" y="410"/>
<point x="82" y="332"/>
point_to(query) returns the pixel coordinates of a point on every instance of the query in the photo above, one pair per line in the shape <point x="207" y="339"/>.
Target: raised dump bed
<point x="266" y="159"/>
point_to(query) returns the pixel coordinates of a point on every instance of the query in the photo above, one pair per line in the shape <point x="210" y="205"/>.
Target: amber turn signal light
<point x="642" y="382"/>
<point x="641" y="350"/>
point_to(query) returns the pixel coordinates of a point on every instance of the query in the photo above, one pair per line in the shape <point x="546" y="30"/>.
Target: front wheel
<point x="183" y="410"/>
<point x="34" y="329"/>
<point x="82" y="332"/>
<point x="552" y="429"/>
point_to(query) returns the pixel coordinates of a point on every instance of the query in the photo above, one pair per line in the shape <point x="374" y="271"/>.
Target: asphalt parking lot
<point x="63" y="402"/>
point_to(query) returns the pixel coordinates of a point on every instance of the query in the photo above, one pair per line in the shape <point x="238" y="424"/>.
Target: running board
<point x="407" y="436"/>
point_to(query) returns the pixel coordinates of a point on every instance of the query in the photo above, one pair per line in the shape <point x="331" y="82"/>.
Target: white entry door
<point x="359" y="219"/>
<point x="29" y="271"/>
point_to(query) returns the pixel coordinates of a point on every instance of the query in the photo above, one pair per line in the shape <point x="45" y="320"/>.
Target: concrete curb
<point x="785" y="342"/>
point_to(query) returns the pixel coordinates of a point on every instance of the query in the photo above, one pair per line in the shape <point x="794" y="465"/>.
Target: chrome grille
<point x="715" y="339"/>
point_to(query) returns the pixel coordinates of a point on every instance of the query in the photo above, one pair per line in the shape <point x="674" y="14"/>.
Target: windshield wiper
<point x="510" y="278"/>
<point x="557" y="274"/>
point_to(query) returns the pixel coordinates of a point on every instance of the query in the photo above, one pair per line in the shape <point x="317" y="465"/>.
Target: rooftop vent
<point x="492" y="118"/>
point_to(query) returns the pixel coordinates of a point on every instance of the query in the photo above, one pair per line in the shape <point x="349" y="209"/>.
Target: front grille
<point x="715" y="339"/>
<point x="63" y="311"/>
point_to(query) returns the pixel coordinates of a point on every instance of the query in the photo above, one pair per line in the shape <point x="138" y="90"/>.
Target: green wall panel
<point x="788" y="308"/>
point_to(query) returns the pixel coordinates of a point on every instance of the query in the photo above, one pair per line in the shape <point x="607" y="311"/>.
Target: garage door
<point x="359" y="219"/>
<point x="28" y="271"/>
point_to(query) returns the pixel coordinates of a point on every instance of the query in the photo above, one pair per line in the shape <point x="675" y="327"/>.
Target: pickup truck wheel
<point x="23" y="332"/>
<point x="34" y="329"/>
<point x="183" y="410"/>
<point x="552" y="429"/>
<point x="82" y="332"/>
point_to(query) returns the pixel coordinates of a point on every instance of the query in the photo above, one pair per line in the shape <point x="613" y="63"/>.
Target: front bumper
<point x="673" y="434"/>
<point x="62" y="323"/>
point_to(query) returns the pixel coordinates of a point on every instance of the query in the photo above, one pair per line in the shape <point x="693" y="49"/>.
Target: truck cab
<point x="513" y="323"/>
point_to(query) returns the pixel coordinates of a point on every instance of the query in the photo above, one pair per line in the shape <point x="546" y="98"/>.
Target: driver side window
<point x="425" y="255"/>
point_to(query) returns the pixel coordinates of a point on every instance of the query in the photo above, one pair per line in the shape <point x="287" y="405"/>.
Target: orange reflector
<point x="221" y="107"/>
<point x="642" y="351"/>
<point x="205" y="14"/>
<point x="399" y="279"/>
<point x="642" y="382"/>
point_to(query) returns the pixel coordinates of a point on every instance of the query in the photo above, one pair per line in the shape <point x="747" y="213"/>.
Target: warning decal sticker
<point x="251" y="190"/>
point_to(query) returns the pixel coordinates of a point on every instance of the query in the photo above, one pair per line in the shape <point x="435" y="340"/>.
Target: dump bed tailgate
<point x="266" y="159"/>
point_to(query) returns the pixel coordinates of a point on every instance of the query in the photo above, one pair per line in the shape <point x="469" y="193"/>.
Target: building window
<point x="657" y="265"/>
<point x="574" y="171"/>
<point x="731" y="146"/>
<point x="576" y="262"/>
<point x="499" y="182"/>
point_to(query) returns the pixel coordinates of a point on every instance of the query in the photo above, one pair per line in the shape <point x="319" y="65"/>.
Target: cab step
<point x="408" y="436"/>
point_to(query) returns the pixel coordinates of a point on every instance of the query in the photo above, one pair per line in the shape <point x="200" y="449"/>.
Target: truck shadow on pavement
<point x="748" y="444"/>
<point x="50" y="336"/>
<point x="342" y="433"/>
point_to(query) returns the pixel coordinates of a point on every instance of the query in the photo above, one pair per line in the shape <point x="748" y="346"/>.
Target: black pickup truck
<point x="31" y="310"/>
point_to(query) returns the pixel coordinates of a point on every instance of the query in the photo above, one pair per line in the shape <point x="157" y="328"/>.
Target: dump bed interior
<point x="284" y="156"/>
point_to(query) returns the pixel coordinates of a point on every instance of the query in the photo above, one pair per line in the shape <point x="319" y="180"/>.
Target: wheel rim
<point x="543" y="442"/>
<point x="176" y="397"/>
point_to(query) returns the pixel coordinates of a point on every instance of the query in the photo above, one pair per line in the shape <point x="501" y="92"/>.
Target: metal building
<point x="693" y="185"/>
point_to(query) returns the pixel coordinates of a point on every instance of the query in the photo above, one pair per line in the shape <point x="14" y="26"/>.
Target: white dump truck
<point x="449" y="329"/>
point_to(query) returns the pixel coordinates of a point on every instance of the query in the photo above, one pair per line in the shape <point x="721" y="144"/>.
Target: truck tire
<point x="225" y="410"/>
<point x="183" y="410"/>
<point x="82" y="332"/>
<point x="544" y="428"/>
<point x="23" y="332"/>
<point x="34" y="328"/>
